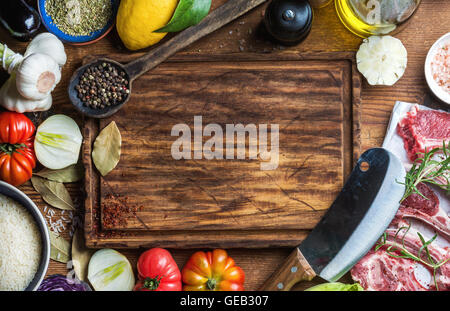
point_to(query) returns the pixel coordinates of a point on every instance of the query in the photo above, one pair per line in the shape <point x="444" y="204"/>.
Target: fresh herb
<point x="431" y="167"/>
<point x="79" y="17"/>
<point x="399" y="250"/>
<point x="188" y="13"/>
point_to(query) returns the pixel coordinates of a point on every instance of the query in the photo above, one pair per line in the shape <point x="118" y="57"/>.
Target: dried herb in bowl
<point x="79" y="17"/>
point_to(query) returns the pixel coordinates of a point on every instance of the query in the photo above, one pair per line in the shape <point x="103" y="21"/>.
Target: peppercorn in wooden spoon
<point x="100" y="88"/>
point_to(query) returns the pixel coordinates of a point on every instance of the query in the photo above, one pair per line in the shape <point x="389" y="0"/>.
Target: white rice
<point x="20" y="246"/>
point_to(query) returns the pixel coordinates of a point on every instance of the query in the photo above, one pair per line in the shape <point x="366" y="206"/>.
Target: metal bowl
<point x="20" y="197"/>
<point x="437" y="90"/>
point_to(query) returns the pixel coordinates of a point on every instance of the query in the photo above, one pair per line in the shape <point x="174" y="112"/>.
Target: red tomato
<point x="212" y="271"/>
<point x="17" y="158"/>
<point x="157" y="271"/>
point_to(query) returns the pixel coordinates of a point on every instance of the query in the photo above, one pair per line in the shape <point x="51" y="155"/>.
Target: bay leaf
<point x="80" y="255"/>
<point x="54" y="193"/>
<point x="59" y="248"/>
<point x="107" y="145"/>
<point x="188" y="13"/>
<point x="72" y="173"/>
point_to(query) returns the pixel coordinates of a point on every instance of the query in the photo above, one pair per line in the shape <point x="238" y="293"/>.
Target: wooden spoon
<point x="215" y="20"/>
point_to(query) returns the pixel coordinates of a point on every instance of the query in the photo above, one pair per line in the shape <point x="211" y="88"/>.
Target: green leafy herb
<point x="60" y="248"/>
<point x="72" y="173"/>
<point x="188" y="13"/>
<point x="54" y="193"/>
<point x="399" y="250"/>
<point x="431" y="167"/>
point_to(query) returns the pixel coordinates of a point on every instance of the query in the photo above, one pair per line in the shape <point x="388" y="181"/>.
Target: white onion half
<point x="58" y="142"/>
<point x="109" y="270"/>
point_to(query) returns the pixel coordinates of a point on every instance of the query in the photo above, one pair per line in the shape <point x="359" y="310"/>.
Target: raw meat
<point x="378" y="271"/>
<point x="423" y="209"/>
<point x="423" y="130"/>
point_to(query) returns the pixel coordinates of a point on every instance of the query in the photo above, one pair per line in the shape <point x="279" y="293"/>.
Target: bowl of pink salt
<point x="437" y="68"/>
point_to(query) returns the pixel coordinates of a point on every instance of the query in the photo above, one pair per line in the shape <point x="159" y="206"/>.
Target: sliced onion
<point x="109" y="270"/>
<point x="58" y="142"/>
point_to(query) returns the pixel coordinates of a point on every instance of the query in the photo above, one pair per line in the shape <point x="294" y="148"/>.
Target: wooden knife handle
<point x="293" y="270"/>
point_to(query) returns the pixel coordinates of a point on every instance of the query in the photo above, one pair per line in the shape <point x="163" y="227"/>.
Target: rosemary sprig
<point x="395" y="248"/>
<point x="427" y="169"/>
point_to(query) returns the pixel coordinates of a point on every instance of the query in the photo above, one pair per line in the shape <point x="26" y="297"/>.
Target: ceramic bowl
<point x="437" y="90"/>
<point x="20" y="197"/>
<point x="77" y="40"/>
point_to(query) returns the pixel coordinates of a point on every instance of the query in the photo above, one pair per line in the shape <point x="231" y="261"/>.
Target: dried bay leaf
<point x="54" y="193"/>
<point x="72" y="173"/>
<point x="106" y="153"/>
<point x="80" y="255"/>
<point x="60" y="248"/>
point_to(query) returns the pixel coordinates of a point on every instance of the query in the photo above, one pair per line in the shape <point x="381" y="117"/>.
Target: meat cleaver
<point x="352" y="225"/>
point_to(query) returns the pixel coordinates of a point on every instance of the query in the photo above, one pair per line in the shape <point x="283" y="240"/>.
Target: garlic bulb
<point x="13" y="101"/>
<point x="37" y="76"/>
<point x="382" y="60"/>
<point x="47" y="43"/>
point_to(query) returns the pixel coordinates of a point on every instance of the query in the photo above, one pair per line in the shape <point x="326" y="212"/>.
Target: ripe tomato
<point x="212" y="271"/>
<point x="17" y="158"/>
<point x="157" y="271"/>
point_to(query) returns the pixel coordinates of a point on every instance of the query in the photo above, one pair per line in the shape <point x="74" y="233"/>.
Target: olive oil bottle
<point x="375" y="17"/>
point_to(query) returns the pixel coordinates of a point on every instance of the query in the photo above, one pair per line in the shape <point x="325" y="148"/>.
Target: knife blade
<point x="357" y="218"/>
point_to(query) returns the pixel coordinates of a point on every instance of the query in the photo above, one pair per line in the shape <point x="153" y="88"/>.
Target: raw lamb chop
<point x="427" y="210"/>
<point x="378" y="271"/>
<point x="423" y="130"/>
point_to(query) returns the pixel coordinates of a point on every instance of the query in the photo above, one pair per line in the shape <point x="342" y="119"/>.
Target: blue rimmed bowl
<point x="77" y="40"/>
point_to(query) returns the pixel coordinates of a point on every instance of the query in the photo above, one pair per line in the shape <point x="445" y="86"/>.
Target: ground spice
<point x="79" y="17"/>
<point x="116" y="210"/>
<point x="102" y="85"/>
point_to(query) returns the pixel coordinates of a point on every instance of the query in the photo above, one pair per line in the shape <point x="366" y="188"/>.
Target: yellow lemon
<point x="137" y="19"/>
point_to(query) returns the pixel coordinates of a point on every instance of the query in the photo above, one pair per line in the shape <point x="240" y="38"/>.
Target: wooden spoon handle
<point x="221" y="16"/>
<point x="293" y="270"/>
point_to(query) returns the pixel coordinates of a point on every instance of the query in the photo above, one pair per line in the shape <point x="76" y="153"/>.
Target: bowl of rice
<point x="24" y="241"/>
<point x="437" y="68"/>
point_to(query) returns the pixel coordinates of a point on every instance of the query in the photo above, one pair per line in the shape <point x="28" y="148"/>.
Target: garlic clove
<point x="13" y="101"/>
<point x="37" y="76"/>
<point x="47" y="43"/>
<point x="382" y="60"/>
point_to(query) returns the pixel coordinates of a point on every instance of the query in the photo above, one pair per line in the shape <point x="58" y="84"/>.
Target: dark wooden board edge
<point x="95" y="238"/>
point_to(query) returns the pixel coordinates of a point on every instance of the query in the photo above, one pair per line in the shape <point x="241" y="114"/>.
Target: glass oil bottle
<point x="375" y="17"/>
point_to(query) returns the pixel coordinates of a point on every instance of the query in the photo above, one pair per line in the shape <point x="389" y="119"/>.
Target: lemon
<point x="137" y="19"/>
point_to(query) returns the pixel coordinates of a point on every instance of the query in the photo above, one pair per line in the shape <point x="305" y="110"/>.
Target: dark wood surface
<point x="312" y="101"/>
<point x="243" y="38"/>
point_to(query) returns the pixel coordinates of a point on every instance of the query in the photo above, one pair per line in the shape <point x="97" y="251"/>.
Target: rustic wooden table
<point x="241" y="36"/>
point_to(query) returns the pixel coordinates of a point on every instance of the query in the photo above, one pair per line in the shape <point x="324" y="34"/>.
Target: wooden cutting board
<point x="313" y="99"/>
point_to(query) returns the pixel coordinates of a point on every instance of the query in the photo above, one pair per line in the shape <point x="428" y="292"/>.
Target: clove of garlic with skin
<point x="47" y="43"/>
<point x="13" y="101"/>
<point x="37" y="76"/>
